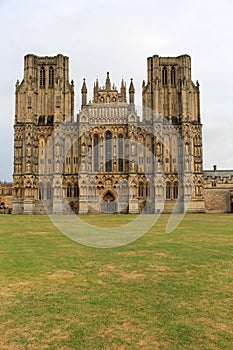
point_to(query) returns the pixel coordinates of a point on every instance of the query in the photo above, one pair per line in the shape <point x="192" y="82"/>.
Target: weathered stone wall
<point x="5" y="195"/>
<point x="217" y="201"/>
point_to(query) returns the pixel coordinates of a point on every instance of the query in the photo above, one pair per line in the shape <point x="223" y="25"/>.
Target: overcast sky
<point x="118" y="36"/>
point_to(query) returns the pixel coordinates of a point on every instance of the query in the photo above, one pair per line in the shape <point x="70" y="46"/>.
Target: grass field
<point x="163" y="291"/>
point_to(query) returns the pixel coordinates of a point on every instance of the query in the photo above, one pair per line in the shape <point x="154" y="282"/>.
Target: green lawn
<point x="163" y="291"/>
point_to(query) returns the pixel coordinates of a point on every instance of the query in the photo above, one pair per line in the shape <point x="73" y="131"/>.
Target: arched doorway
<point x="109" y="205"/>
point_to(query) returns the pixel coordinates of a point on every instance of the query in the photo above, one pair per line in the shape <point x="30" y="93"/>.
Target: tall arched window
<point x="175" y="191"/>
<point x="76" y="190"/>
<point x="50" y="120"/>
<point x="67" y="154"/>
<point x="96" y="152"/>
<point x="168" y="190"/>
<point x="173" y="76"/>
<point x="49" y="192"/>
<point x="141" y="190"/>
<point x="120" y="152"/>
<point x="41" y="192"/>
<point x="41" y="120"/>
<point x="49" y="155"/>
<point x="69" y="191"/>
<point x="108" y="152"/>
<point x="166" y="153"/>
<point x="51" y="77"/>
<point x="42" y="77"/>
<point x="148" y="190"/>
<point x="164" y="76"/>
<point x="41" y="155"/>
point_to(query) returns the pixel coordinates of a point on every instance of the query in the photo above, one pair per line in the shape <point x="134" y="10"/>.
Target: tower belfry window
<point x="51" y="77"/>
<point x="42" y="77"/>
<point x="164" y="76"/>
<point x="173" y="76"/>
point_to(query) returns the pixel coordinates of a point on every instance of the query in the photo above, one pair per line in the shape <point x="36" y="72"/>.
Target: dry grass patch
<point x="60" y="274"/>
<point x="132" y="275"/>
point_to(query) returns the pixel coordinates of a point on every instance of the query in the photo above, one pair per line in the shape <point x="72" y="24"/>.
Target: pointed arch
<point x="109" y="202"/>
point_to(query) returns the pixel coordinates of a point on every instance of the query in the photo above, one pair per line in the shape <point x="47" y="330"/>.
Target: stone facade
<point x="218" y="190"/>
<point x="5" y="196"/>
<point x="109" y="159"/>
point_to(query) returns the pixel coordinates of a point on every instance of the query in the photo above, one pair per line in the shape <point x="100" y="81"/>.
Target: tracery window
<point x="96" y="152"/>
<point x="108" y="152"/>
<point x="42" y="77"/>
<point x="120" y="152"/>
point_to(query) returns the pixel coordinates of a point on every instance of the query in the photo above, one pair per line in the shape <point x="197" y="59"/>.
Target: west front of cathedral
<point x="107" y="159"/>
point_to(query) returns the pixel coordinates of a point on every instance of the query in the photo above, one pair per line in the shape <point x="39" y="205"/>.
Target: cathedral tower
<point x="44" y="100"/>
<point x="171" y="103"/>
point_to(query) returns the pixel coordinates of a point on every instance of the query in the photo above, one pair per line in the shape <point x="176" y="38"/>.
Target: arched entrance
<point x="108" y="205"/>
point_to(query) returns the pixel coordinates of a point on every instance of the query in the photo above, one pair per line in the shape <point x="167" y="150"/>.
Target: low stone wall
<point x="217" y="200"/>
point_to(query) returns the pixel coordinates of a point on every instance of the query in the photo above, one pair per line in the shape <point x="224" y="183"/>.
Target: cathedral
<point x="107" y="158"/>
